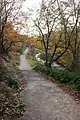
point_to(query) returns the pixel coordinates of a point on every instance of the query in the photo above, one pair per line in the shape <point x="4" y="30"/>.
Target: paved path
<point x="24" y="64"/>
<point x="45" y="101"/>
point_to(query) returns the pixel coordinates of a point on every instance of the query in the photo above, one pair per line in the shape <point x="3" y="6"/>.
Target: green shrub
<point x="12" y="81"/>
<point x="63" y="76"/>
<point x="77" y="84"/>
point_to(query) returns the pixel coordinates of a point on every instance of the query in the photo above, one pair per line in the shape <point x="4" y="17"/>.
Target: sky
<point x="29" y="5"/>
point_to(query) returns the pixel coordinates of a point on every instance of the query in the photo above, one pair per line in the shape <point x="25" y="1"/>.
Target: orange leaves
<point x="13" y="39"/>
<point x="10" y="33"/>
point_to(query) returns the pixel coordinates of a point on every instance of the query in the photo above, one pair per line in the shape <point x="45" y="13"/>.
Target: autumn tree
<point x="13" y="40"/>
<point x="48" y="22"/>
<point x="71" y="20"/>
<point x="9" y="10"/>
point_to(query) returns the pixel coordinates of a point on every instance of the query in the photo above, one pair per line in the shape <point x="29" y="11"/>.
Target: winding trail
<point x="45" y="100"/>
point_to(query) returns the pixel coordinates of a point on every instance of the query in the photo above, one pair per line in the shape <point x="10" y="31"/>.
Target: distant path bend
<point x="24" y="64"/>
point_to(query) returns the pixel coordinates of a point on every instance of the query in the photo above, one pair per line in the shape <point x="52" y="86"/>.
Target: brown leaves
<point x="11" y="107"/>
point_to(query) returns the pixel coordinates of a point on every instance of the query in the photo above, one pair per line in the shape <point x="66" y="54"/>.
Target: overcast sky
<point x="30" y="4"/>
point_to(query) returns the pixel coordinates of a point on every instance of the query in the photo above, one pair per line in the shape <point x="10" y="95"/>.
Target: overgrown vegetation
<point x="11" y="106"/>
<point x="63" y="76"/>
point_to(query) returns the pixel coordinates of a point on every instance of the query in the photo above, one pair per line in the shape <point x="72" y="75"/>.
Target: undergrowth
<point x="63" y="76"/>
<point x="12" y="81"/>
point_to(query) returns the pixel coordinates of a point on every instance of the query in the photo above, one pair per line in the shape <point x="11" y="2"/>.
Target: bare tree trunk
<point x="75" y="66"/>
